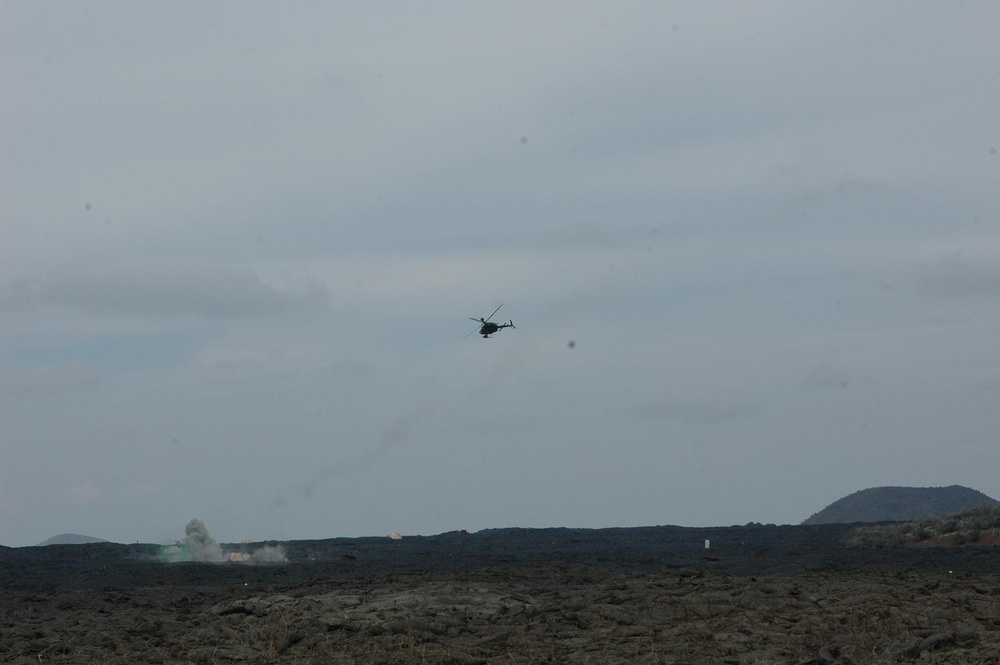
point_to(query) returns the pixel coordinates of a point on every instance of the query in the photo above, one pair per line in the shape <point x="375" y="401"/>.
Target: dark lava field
<point x="757" y="594"/>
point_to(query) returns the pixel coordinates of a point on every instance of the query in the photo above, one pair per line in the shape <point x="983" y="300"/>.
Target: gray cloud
<point x="50" y="379"/>
<point x="825" y="377"/>
<point x="959" y="276"/>
<point x="175" y="287"/>
<point x="581" y="235"/>
<point x="216" y="218"/>
<point x="694" y="411"/>
<point x="18" y="294"/>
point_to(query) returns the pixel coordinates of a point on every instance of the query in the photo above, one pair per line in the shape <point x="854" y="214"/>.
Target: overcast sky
<point x="240" y="244"/>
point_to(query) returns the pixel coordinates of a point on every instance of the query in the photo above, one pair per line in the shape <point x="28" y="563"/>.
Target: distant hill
<point x="70" y="539"/>
<point x="901" y="504"/>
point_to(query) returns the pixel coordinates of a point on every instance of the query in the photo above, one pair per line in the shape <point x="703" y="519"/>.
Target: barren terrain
<point x="758" y="594"/>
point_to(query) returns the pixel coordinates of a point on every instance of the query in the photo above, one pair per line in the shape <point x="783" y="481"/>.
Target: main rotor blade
<point x="473" y="330"/>
<point x="494" y="312"/>
<point x="479" y="320"/>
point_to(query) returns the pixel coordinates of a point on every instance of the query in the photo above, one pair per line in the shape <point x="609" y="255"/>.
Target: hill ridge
<point x="900" y="504"/>
<point x="70" y="539"/>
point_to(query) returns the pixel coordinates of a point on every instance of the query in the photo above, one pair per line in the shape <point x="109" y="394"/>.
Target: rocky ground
<point x="759" y="594"/>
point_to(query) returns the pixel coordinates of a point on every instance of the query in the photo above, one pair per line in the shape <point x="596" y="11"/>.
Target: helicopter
<point x="487" y="327"/>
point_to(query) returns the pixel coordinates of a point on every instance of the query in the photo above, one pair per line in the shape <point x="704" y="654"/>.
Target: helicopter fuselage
<point x="487" y="327"/>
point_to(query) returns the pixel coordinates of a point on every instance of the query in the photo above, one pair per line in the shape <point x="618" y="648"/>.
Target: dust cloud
<point x="199" y="544"/>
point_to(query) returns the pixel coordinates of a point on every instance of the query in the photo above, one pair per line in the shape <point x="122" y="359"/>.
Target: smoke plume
<point x="269" y="554"/>
<point x="200" y="545"/>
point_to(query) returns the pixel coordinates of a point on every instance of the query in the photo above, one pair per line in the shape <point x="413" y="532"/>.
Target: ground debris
<point x="527" y="615"/>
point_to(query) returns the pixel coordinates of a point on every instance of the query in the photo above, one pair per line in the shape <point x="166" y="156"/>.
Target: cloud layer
<point x="238" y="254"/>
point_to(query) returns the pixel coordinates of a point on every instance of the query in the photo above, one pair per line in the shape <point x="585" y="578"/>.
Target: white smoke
<point x="199" y="544"/>
<point x="269" y="554"/>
